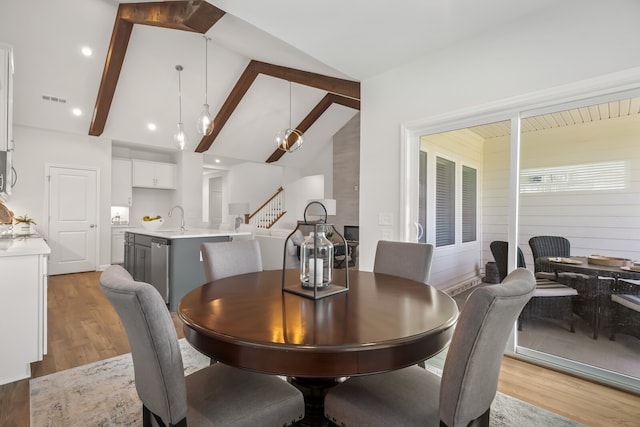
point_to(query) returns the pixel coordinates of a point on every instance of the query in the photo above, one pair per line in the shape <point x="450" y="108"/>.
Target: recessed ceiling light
<point x="152" y="126"/>
<point x="87" y="51"/>
<point x="76" y="112"/>
<point x="217" y="160"/>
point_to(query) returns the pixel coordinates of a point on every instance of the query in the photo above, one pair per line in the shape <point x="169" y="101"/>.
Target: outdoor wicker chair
<point x="551" y="299"/>
<point x="558" y="246"/>
<point x="626" y="308"/>
<point x="549" y="246"/>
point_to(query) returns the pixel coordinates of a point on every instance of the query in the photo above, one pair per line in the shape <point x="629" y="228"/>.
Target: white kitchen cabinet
<point x="6" y="97"/>
<point x="117" y="244"/>
<point x="154" y="174"/>
<point x="121" y="191"/>
<point x="23" y="289"/>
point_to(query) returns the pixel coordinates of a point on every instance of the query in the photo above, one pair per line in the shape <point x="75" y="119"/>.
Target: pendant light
<point x="180" y="137"/>
<point x="205" y="121"/>
<point x="289" y="140"/>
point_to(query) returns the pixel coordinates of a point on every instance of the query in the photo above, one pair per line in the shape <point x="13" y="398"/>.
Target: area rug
<point x="102" y="394"/>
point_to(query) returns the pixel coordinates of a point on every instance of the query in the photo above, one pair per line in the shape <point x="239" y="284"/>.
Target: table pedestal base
<point x="314" y="390"/>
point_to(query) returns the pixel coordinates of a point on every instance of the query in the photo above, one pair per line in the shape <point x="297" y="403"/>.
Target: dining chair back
<point x="404" y="259"/>
<point x="224" y="259"/>
<point x="500" y="252"/>
<point x="548" y="246"/>
<point x="463" y="395"/>
<point x="215" y="395"/>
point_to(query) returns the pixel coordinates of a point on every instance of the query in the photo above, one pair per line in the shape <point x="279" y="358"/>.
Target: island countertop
<point x="176" y="233"/>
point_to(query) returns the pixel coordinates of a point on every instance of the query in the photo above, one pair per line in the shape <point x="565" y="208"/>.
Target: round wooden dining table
<point x="381" y="323"/>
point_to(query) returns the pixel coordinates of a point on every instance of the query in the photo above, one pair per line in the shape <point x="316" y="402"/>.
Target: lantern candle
<point x="315" y="270"/>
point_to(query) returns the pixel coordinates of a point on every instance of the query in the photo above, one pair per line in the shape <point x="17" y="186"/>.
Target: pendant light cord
<point x="179" y="68"/>
<point x="289" y="104"/>
<point x="206" y="67"/>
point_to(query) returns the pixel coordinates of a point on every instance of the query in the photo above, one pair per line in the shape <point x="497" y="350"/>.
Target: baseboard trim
<point x="461" y="287"/>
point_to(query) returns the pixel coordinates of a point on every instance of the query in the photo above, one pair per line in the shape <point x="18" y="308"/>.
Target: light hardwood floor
<point x="83" y="328"/>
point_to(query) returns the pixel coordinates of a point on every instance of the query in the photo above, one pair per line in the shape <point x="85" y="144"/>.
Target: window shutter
<point x="445" y="202"/>
<point x="469" y="204"/>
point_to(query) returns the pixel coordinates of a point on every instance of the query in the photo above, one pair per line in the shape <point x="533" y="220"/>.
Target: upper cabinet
<point x="154" y="174"/>
<point x="121" y="192"/>
<point x="6" y="97"/>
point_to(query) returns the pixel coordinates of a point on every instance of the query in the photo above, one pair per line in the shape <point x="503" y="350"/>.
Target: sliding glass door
<point x="579" y="170"/>
<point x="570" y="170"/>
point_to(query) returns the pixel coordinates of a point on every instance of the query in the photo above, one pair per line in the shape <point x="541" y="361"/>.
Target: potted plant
<point x="24" y="223"/>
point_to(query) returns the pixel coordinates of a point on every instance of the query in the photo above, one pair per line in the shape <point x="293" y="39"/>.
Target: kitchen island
<point x="170" y="260"/>
<point x="23" y="291"/>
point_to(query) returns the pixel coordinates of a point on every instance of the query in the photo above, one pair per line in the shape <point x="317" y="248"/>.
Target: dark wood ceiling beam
<point x="343" y="87"/>
<point x="112" y="67"/>
<point x="196" y="16"/>
<point x="315" y="114"/>
<point x="192" y="15"/>
<point x="342" y="92"/>
<point x="237" y="93"/>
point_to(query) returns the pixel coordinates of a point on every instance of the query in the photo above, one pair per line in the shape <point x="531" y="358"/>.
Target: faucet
<point x="181" y="216"/>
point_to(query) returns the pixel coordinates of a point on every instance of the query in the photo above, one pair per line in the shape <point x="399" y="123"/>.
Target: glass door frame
<point x="593" y="91"/>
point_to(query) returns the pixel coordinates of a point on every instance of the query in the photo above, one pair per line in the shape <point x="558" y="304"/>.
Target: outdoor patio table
<point x="597" y="289"/>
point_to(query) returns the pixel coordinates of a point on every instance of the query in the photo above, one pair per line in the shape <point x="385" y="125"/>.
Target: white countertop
<point x="174" y="233"/>
<point x="22" y="245"/>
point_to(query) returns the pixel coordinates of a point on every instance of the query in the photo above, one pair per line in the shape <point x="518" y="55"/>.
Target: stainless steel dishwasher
<point x="160" y="266"/>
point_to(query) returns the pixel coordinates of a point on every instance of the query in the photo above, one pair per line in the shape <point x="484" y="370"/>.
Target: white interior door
<point x="72" y="220"/>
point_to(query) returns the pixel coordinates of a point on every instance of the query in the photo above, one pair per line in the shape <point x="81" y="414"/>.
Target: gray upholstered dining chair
<point x="404" y="259"/>
<point x="215" y="395"/>
<point x="417" y="397"/>
<point x="224" y="259"/>
<point x="551" y="299"/>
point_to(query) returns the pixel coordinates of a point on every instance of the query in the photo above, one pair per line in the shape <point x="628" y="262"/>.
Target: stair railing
<point x="269" y="212"/>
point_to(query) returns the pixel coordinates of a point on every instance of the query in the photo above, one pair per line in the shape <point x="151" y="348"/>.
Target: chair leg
<point x="146" y="417"/>
<point x="614" y="325"/>
<point x="481" y="421"/>
<point x="572" y="320"/>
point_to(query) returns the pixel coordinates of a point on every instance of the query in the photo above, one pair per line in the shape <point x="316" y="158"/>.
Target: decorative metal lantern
<point x="316" y="278"/>
<point x="316" y="259"/>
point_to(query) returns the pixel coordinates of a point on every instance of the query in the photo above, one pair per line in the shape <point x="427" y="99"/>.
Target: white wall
<point x="322" y="164"/>
<point x="34" y="149"/>
<point x="576" y="41"/>
<point x="253" y="183"/>
<point x="189" y="195"/>
<point x="296" y="197"/>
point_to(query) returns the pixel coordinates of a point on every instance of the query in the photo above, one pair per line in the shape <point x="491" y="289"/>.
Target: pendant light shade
<point x="205" y="121"/>
<point x="180" y="137"/>
<point x="289" y="139"/>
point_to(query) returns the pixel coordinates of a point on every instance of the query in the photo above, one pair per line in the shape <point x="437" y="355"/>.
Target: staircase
<point x="269" y="213"/>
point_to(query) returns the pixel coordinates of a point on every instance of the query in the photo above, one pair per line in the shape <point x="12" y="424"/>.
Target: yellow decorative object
<point x="24" y="220"/>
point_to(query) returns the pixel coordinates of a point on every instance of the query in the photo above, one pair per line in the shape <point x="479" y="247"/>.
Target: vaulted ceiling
<point x="346" y="41"/>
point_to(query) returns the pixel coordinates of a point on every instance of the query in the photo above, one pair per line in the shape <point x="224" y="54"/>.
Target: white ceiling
<point x="353" y="39"/>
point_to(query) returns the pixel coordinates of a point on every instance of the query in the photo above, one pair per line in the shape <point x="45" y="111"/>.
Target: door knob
<point x="92" y="226"/>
